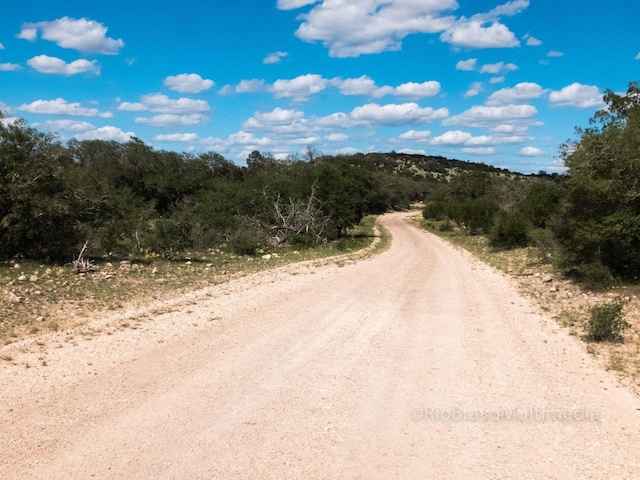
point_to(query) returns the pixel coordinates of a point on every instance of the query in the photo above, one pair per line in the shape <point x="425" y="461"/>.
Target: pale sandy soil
<point x="419" y="362"/>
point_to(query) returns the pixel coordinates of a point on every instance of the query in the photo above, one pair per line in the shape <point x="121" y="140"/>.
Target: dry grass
<point x="37" y="298"/>
<point x="565" y="301"/>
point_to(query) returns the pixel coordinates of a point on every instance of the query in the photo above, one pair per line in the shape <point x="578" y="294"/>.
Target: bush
<point x="595" y="276"/>
<point x="435" y="210"/>
<point x="245" y="241"/>
<point x="170" y="237"/>
<point x="302" y="240"/>
<point x="546" y="243"/>
<point x="607" y="322"/>
<point x="510" y="230"/>
<point x="446" y="226"/>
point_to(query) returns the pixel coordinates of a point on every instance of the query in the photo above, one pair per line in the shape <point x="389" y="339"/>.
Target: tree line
<point x="128" y="198"/>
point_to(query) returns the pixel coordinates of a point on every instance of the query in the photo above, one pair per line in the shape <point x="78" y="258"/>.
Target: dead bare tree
<point x="82" y="265"/>
<point x="297" y="217"/>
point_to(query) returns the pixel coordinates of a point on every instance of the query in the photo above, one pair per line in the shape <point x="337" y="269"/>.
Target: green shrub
<point x="546" y="243"/>
<point x="170" y="237"/>
<point x="510" y="230"/>
<point x="434" y="210"/>
<point x="245" y="241"/>
<point x="301" y="240"/>
<point x="446" y="226"/>
<point x="595" y="276"/>
<point x="607" y="322"/>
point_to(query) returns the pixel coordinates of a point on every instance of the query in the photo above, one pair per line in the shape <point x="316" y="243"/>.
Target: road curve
<point x="419" y="362"/>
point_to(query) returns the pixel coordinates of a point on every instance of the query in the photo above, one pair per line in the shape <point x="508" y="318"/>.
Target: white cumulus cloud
<point x="577" y="95"/>
<point x="479" y="34"/>
<point x="381" y="24"/>
<point x="396" y="114"/>
<point x="60" y="106"/>
<point x="299" y="88"/>
<point x="336" y="137"/>
<point x="530" y="151"/>
<point x="474" y="90"/>
<point x="106" y="133"/>
<point x="487" y="116"/>
<point x="83" y="35"/>
<point x="275" y="57"/>
<point x="467" y="65"/>
<point x="177" y="137"/>
<point x="532" y="41"/>
<point x="188" y="83"/>
<point x="172" y="120"/>
<point x="54" y="65"/>
<point x="416" y="135"/>
<point x="522" y="92"/>
<point x="251" y="86"/>
<point x="500" y="67"/>
<point x="9" y="67"/>
<point x="366" y="87"/>
<point x="417" y="91"/>
<point x="163" y="104"/>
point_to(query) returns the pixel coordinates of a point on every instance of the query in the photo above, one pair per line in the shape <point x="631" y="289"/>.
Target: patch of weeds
<point x="607" y="322"/>
<point x="6" y="358"/>
<point x="617" y="363"/>
<point x="592" y="350"/>
<point x="53" y="326"/>
<point x="567" y="319"/>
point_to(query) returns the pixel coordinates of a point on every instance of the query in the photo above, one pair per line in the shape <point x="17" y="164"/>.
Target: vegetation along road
<point x="418" y="362"/>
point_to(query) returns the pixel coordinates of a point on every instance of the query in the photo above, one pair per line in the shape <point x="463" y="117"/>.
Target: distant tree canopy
<point x="128" y="198"/>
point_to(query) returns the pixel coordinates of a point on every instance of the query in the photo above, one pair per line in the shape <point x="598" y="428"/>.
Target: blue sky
<point x="479" y="80"/>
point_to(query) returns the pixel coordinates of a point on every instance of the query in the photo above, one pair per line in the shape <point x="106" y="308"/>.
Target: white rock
<point x="13" y="298"/>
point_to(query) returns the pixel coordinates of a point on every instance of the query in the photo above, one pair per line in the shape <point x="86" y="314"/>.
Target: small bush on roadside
<point x="607" y="322"/>
<point x="546" y="243"/>
<point x="244" y="242"/>
<point x="510" y="230"/>
<point x="301" y="240"/>
<point x="446" y="226"/>
<point x="435" y="210"/>
<point x="595" y="276"/>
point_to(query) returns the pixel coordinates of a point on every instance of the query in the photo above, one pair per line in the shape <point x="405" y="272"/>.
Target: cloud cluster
<point x="88" y="131"/>
<point x="365" y="86"/>
<point x="54" y="65"/>
<point x="83" y="35"/>
<point x="60" y="106"/>
<point x="160" y="103"/>
<point x="383" y="24"/>
<point x="303" y="87"/>
<point x="188" y="83"/>
<point x="577" y="95"/>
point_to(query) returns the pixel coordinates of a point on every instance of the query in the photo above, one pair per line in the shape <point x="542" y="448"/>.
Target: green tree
<point x="600" y="220"/>
<point x="36" y="218"/>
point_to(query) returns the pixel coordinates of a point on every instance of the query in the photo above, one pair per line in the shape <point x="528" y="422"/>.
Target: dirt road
<point x="417" y="363"/>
